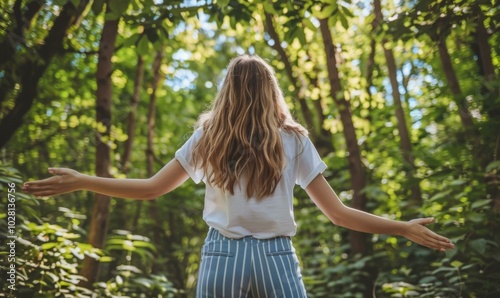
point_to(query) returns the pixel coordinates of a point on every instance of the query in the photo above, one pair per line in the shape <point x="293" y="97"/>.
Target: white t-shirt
<point x="236" y="216"/>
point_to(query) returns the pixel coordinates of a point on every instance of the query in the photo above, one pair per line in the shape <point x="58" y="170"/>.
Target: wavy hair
<point x="241" y="132"/>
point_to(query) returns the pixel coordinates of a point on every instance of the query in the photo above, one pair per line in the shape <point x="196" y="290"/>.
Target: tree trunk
<point x="451" y="78"/>
<point x="404" y="134"/>
<point x="28" y="73"/>
<point x="321" y="137"/>
<point x="100" y="212"/>
<point x="157" y="230"/>
<point x="122" y="219"/>
<point x="152" y="111"/>
<point x="490" y="92"/>
<point x="139" y="74"/>
<point x="306" y="112"/>
<point x="484" y="60"/>
<point x="358" y="178"/>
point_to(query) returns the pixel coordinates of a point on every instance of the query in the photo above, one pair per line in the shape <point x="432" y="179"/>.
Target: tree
<point x="25" y="67"/>
<point x="104" y="93"/>
<point x="404" y="134"/>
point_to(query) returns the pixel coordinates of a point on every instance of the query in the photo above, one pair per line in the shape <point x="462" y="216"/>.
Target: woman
<point x="250" y="153"/>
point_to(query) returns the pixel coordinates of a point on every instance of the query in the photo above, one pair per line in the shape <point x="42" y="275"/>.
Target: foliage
<point x="48" y="256"/>
<point x="129" y="280"/>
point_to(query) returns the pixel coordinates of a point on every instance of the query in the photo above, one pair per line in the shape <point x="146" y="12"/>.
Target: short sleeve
<point x="185" y="156"/>
<point x="309" y="164"/>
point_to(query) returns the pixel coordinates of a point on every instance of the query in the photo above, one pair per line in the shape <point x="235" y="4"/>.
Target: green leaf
<point x="269" y="8"/>
<point x="479" y="245"/>
<point x="75" y="3"/>
<point x="143" y="46"/>
<point x="480" y="203"/>
<point x="222" y="3"/>
<point x="440" y="195"/>
<point x="309" y="24"/>
<point x="128" y="245"/>
<point x="144" y="244"/>
<point x="457" y="182"/>
<point x="152" y="34"/>
<point x="493" y="165"/>
<point x="97" y="6"/>
<point x="59" y="2"/>
<point x="475" y="217"/>
<point x="52" y="276"/>
<point x="49" y="245"/>
<point x="106" y="259"/>
<point x="343" y="21"/>
<point x="111" y="16"/>
<point x="456" y="264"/>
<point x="115" y="241"/>
<point x="427" y="279"/>
<point x="326" y="11"/>
<point x="119" y="7"/>
<point x="119" y="280"/>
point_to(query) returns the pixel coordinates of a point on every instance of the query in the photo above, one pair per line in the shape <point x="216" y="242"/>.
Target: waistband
<point x="215" y="235"/>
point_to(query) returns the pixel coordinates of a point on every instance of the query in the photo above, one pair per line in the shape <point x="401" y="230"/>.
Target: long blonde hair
<point x="241" y="131"/>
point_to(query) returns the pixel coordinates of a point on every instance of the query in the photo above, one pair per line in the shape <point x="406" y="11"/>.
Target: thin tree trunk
<point x="306" y="112"/>
<point x="139" y="74"/>
<point x="370" y="65"/>
<point x="358" y="178"/>
<point x="490" y="93"/>
<point x="121" y="205"/>
<point x="322" y="138"/>
<point x="404" y="134"/>
<point x="160" y="236"/>
<point x="152" y="112"/>
<point x="484" y="60"/>
<point x="100" y="211"/>
<point x="451" y="78"/>
<point x="150" y="157"/>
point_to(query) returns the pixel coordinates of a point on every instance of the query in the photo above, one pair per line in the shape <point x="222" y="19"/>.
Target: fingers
<point x="39" y="183"/>
<point x="432" y="240"/>
<point x="58" y="171"/>
<point x="43" y="187"/>
<point x="38" y="189"/>
<point x="418" y="233"/>
<point x="423" y="221"/>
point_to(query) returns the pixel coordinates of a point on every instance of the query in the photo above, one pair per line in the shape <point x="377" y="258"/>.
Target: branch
<point x="16" y="36"/>
<point x="306" y="112"/>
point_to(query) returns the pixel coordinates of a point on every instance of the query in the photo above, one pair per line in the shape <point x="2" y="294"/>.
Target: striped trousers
<point x="248" y="267"/>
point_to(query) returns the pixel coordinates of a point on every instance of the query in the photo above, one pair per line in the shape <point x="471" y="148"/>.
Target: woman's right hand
<point x="63" y="181"/>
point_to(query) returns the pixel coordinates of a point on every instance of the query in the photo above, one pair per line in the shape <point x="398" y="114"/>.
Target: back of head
<point x="241" y="133"/>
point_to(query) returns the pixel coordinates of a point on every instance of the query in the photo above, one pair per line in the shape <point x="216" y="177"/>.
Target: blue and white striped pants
<point x="249" y="267"/>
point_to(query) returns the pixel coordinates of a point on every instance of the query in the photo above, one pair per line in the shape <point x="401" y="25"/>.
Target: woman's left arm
<point x="327" y="201"/>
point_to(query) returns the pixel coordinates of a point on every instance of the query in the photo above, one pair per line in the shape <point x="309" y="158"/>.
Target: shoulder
<point x="195" y="135"/>
<point x="290" y="136"/>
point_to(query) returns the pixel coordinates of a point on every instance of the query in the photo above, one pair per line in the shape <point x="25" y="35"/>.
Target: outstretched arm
<point x="67" y="180"/>
<point x="327" y="201"/>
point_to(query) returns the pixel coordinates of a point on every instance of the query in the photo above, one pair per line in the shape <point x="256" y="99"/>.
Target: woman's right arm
<point x="67" y="180"/>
